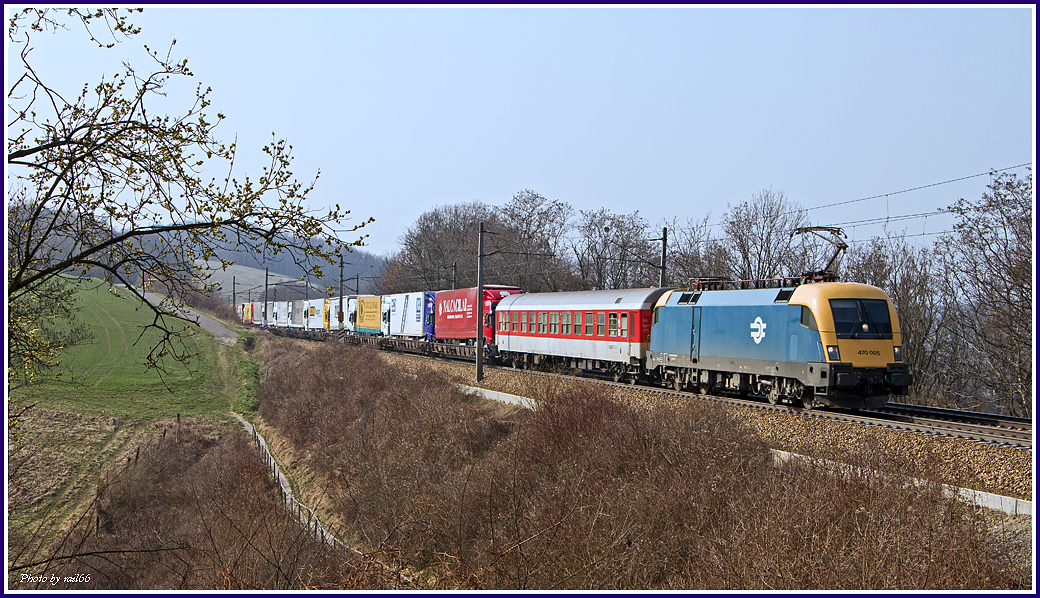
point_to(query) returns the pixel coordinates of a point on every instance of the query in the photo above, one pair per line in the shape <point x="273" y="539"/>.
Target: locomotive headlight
<point x="832" y="353"/>
<point x="898" y="353"/>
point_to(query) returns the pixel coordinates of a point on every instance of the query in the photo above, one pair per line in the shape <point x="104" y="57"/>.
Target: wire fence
<point x="303" y="514"/>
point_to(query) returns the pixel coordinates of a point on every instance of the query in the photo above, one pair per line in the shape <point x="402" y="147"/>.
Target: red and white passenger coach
<point x="605" y="331"/>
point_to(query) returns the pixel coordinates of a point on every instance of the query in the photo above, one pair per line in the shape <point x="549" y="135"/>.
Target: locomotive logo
<point x="758" y="330"/>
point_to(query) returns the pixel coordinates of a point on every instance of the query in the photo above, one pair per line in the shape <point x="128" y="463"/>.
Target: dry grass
<point x="587" y="493"/>
<point x="191" y="509"/>
<point x="52" y="466"/>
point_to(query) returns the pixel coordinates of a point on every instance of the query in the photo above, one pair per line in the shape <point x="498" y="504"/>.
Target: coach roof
<point x="620" y="299"/>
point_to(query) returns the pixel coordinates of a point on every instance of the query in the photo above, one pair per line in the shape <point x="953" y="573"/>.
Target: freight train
<point x="824" y="344"/>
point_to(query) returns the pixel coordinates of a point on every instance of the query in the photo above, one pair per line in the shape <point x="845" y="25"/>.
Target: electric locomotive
<point x="828" y="343"/>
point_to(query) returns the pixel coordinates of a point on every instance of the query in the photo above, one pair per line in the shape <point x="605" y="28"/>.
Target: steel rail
<point x="935" y="421"/>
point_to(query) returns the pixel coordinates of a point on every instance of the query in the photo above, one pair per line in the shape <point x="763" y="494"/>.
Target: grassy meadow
<point x="99" y="408"/>
<point x="108" y="375"/>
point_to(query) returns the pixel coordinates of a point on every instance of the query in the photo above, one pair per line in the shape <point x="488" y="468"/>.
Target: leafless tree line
<point x="965" y="302"/>
<point x="541" y="244"/>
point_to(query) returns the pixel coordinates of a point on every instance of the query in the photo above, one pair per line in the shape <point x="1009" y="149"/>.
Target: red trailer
<point x="456" y="312"/>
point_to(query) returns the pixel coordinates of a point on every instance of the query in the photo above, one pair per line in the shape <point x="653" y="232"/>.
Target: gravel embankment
<point x="962" y="463"/>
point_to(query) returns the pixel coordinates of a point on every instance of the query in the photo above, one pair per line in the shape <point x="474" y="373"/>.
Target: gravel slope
<point x="961" y="463"/>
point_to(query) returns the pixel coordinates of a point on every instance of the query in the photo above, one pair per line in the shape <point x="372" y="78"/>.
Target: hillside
<point x="248" y="272"/>
<point x="105" y="398"/>
<point x="108" y="374"/>
<point x="248" y="282"/>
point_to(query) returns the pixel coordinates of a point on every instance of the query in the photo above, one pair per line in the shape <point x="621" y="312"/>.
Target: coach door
<point x="695" y="335"/>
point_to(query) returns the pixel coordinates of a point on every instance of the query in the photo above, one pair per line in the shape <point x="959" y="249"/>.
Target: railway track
<point x="972" y="425"/>
<point x="968" y="425"/>
<point x="949" y="423"/>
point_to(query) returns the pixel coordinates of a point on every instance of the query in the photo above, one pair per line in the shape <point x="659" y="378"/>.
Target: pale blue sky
<point x="672" y="111"/>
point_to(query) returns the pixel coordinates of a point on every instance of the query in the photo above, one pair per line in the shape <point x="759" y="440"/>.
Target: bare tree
<point x="989" y="264"/>
<point x="759" y="235"/>
<point x="524" y="246"/>
<point x="439" y="238"/>
<point x="693" y="252"/>
<point x="931" y="343"/>
<point x="110" y="185"/>
<point x="534" y="235"/>
<point x="611" y="250"/>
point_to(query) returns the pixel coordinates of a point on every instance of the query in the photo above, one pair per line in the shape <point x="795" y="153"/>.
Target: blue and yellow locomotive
<point x="828" y="343"/>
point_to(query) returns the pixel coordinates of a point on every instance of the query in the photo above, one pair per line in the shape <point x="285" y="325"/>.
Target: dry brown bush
<point x="586" y="493"/>
<point x="193" y="511"/>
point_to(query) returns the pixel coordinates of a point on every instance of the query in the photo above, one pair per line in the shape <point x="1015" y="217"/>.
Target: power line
<point x="943" y="232"/>
<point x="842" y="203"/>
<point x="886" y="219"/>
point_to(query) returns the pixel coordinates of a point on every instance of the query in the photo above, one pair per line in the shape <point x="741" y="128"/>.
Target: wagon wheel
<point x="632" y="380"/>
<point x="808" y="402"/>
<point x="617" y="376"/>
<point x="774" y="394"/>
<point x="677" y="383"/>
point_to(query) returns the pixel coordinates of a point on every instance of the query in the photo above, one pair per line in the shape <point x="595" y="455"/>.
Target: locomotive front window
<point x="861" y="318"/>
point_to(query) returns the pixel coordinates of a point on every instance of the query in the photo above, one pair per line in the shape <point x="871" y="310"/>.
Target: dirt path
<point x="223" y="333"/>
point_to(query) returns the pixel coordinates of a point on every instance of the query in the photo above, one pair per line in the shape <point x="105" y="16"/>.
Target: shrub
<point x="192" y="511"/>
<point x="588" y="493"/>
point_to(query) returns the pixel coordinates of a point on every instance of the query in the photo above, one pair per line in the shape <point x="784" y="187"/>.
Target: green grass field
<point x="108" y="375"/>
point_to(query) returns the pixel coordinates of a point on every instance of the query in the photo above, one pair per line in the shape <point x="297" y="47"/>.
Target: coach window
<point x="516" y="321"/>
<point x="612" y="325"/>
<point x="523" y="321"/>
<point x="541" y="322"/>
<point x="601" y="324"/>
<point x="554" y="323"/>
<point x="565" y="323"/>
<point x="588" y="323"/>
<point x="623" y="330"/>
<point x="577" y="323"/>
